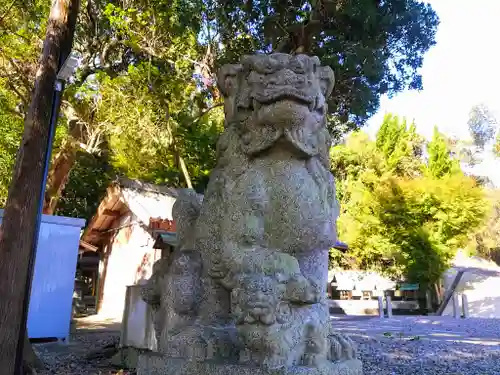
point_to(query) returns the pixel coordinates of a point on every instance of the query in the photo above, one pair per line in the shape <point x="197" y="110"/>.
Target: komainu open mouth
<point x="291" y="95"/>
<point x="283" y="93"/>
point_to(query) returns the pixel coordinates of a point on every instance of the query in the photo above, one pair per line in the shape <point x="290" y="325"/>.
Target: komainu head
<point x="278" y="99"/>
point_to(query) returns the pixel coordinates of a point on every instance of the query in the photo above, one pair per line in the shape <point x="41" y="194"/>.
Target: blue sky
<point x="462" y="70"/>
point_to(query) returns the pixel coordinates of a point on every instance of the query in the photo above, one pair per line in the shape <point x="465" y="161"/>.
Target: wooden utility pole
<point x="19" y="229"/>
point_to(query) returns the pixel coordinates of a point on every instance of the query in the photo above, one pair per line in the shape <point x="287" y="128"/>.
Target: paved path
<point x="433" y="328"/>
<point x="96" y="323"/>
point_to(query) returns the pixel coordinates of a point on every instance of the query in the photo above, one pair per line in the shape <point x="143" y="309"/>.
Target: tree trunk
<point x="58" y="177"/>
<point x="185" y="171"/>
<point x="61" y="166"/>
<point x="181" y="164"/>
<point x="18" y="229"/>
<point x="30" y="359"/>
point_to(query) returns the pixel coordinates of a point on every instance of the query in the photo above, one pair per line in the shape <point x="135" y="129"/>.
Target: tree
<point x="22" y="28"/>
<point x="156" y="140"/>
<point x="150" y="54"/>
<point x="400" y="145"/>
<point x="25" y="189"/>
<point x="90" y="176"/>
<point x="171" y="49"/>
<point x="485" y="242"/>
<point x="9" y="143"/>
<point x="141" y="50"/>
<point x="440" y="163"/>
<point x="18" y="60"/>
<point x="405" y="221"/>
<point x="374" y="47"/>
<point x="482" y="125"/>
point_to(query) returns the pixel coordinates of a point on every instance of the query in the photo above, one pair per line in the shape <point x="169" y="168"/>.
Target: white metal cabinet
<point x="53" y="282"/>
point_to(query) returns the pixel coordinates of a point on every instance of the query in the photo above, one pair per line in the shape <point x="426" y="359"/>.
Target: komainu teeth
<point x="256" y="105"/>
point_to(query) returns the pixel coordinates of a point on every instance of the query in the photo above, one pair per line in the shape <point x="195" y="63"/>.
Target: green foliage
<point x="22" y="28"/>
<point x="395" y="217"/>
<point x="400" y="145"/>
<point x="19" y="52"/>
<point x="440" y="163"/>
<point x="22" y="25"/>
<point x="135" y="98"/>
<point x="482" y="125"/>
<point x="88" y="181"/>
<point x="145" y="93"/>
<point x="485" y="242"/>
<point x="374" y="47"/>
<point x="12" y="127"/>
<point x="147" y="135"/>
<point x="153" y="108"/>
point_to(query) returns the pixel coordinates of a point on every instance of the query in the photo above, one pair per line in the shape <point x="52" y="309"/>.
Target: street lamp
<point x="67" y="68"/>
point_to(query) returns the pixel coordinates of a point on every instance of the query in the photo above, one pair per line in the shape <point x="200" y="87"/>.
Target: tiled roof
<point x="163" y="224"/>
<point x="145" y="201"/>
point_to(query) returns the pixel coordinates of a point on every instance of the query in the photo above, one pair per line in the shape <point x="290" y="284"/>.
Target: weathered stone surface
<point x="174" y="289"/>
<point x="249" y="286"/>
<point x="158" y="364"/>
<point x="127" y="357"/>
<point x="151" y="293"/>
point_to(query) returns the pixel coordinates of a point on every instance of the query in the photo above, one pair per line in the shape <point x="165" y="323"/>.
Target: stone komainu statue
<point x="262" y="235"/>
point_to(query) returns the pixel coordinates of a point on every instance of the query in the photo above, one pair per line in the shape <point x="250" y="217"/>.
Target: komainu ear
<point x="227" y="78"/>
<point x="326" y="79"/>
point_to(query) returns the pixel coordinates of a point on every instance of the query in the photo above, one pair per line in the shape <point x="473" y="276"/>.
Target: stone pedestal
<point x="157" y="364"/>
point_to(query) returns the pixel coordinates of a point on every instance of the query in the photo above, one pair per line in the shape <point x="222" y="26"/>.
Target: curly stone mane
<point x="233" y="154"/>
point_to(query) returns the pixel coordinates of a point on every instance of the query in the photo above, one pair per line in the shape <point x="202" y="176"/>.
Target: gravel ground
<point x="83" y="355"/>
<point x="397" y="346"/>
<point x="426" y="345"/>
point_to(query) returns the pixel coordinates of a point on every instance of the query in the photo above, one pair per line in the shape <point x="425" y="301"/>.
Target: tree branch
<point x="13" y="112"/>
<point x="20" y="72"/>
<point x="7" y="11"/>
<point x="200" y="116"/>
<point x="111" y="71"/>
<point x="23" y="98"/>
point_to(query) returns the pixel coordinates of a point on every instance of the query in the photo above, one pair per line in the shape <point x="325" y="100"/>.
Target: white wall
<point x="130" y="262"/>
<point x="481" y="285"/>
<point x="483" y="295"/>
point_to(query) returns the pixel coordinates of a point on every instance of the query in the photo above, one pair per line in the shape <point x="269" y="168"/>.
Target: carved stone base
<point x="157" y="364"/>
